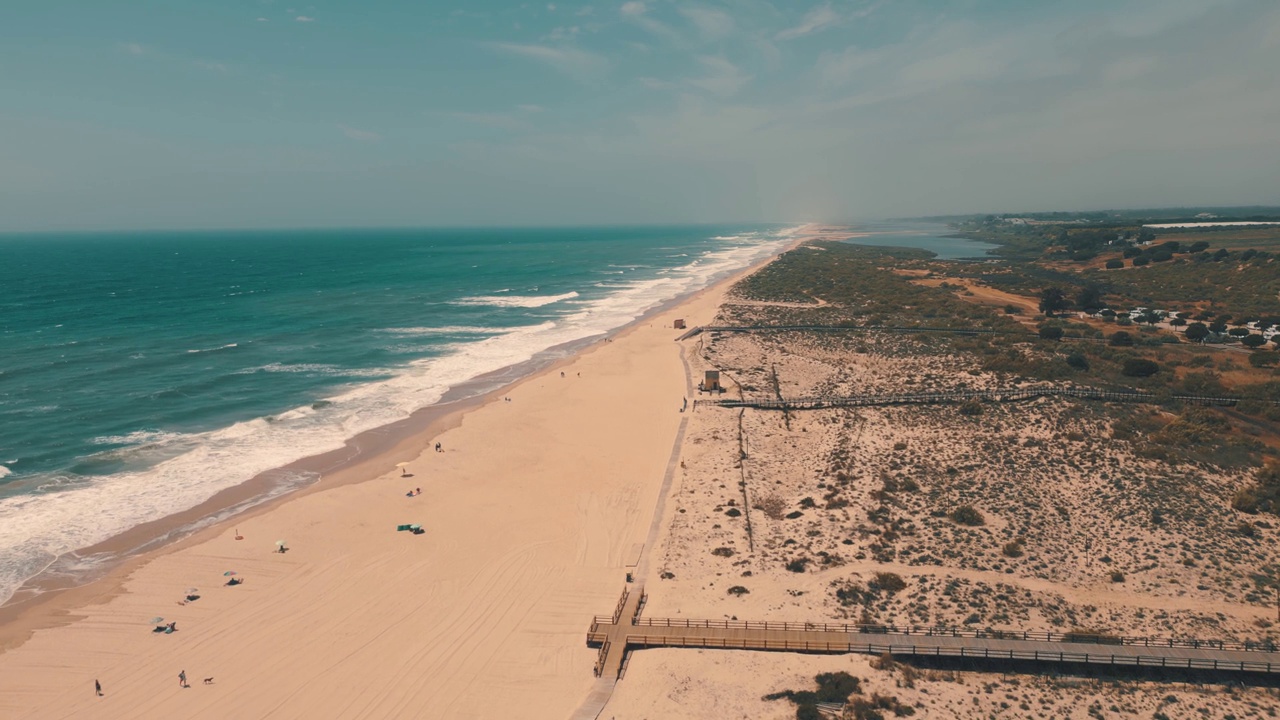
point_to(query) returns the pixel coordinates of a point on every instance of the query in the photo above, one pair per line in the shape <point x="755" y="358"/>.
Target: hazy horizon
<point x="264" y="114"/>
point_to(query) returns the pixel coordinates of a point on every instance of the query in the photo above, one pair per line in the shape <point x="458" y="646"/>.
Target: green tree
<point x="1197" y="332"/>
<point x="1253" y="340"/>
<point x="1053" y="300"/>
<point x="1053" y="332"/>
<point x="1089" y="298"/>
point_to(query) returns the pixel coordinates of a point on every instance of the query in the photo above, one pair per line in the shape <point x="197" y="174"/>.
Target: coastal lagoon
<point x="937" y="238"/>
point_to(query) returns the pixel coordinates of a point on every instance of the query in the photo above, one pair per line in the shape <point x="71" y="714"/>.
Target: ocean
<point x="141" y="373"/>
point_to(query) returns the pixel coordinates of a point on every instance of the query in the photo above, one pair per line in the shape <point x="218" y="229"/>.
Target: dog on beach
<point x="208" y="681"/>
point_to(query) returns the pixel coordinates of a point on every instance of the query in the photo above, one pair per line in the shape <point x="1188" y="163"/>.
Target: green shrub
<point x="1115" y="264"/>
<point x="967" y="515"/>
<point x="1053" y="332"/>
<point x="1121" y="339"/>
<point x="1264" y="358"/>
<point x="888" y="582"/>
<point x="798" y="565"/>
<point x="1263" y="494"/>
<point x="738" y="590"/>
<point x="1140" y="367"/>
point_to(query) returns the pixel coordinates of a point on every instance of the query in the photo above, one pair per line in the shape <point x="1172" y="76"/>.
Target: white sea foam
<point x="37" y="529"/>
<point x="516" y="301"/>
<point x="140" y="437"/>
<point x="5" y="472"/>
<point x="317" y="369"/>
<point x="446" y="330"/>
<point x="221" y="347"/>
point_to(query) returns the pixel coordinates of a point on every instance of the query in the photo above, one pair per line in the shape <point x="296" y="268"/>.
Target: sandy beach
<point x="540" y="499"/>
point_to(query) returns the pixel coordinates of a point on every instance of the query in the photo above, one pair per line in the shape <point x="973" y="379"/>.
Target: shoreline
<point x="48" y="601"/>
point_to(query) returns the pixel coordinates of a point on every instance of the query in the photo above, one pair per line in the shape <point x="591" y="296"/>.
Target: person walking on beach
<point x="182" y="679"/>
<point x="97" y="687"/>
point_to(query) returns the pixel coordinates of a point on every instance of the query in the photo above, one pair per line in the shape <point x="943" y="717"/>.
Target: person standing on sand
<point x="97" y="687"/>
<point x="182" y="679"/>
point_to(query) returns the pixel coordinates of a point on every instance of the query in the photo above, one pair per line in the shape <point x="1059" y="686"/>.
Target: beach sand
<point x="532" y="513"/>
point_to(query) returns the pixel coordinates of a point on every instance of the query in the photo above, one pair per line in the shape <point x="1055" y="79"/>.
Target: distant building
<point x="711" y="382"/>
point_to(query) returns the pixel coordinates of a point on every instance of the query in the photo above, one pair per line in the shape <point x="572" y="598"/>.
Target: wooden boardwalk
<point x="855" y="328"/>
<point x="625" y="630"/>
<point x="956" y="396"/>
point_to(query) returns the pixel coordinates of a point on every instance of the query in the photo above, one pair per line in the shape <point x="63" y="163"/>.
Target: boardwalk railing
<point x="994" y="395"/>
<point x="601" y="657"/>
<point x="954" y="632"/>
<point x="622" y="602"/>
<point x="985" y="653"/>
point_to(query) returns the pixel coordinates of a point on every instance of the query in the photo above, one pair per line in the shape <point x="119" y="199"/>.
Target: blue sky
<point x="257" y="113"/>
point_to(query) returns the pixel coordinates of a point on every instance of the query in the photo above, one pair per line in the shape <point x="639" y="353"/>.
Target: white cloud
<point x="712" y="24"/>
<point x="570" y="61"/>
<point x="529" y="108"/>
<point x="494" y="120"/>
<point x="562" y="33"/>
<point x="551" y="7"/>
<point x="815" y="20"/>
<point x="133" y="48"/>
<point x="636" y="12"/>
<point x="357" y="134"/>
<point x="262" y="19"/>
<point x="655" y="83"/>
<point x="721" y="78"/>
<point x="211" y="66"/>
<point x="304" y="18"/>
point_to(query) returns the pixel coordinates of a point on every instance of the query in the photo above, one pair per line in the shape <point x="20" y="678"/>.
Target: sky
<point x="171" y="114"/>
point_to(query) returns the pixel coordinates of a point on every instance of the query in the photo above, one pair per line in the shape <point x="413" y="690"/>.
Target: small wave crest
<point x="445" y="330"/>
<point x="516" y="301"/>
<point x="5" y="472"/>
<point x="215" y="349"/>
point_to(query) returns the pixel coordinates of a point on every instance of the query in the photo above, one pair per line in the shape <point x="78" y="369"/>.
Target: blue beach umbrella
<point x="157" y="620"/>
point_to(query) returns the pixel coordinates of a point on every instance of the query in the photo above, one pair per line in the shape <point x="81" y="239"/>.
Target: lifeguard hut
<point x="711" y="382"/>
<point x="678" y="324"/>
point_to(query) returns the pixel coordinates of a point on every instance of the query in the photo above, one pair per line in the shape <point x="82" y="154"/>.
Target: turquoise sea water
<point x="142" y="373"/>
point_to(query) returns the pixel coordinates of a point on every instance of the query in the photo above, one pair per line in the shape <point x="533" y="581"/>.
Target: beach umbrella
<point x="192" y="590"/>
<point x="402" y="467"/>
<point x="228" y="573"/>
<point x="157" y="620"/>
<point x="279" y="543"/>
